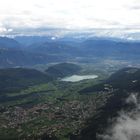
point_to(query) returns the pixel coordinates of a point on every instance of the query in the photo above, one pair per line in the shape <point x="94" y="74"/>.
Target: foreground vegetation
<point x="45" y="106"/>
<point x="54" y="109"/>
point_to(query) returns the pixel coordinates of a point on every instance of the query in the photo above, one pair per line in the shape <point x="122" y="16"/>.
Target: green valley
<point x="44" y="105"/>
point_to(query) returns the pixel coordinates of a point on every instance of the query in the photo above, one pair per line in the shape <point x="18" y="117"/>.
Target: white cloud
<point x="71" y="14"/>
<point x="127" y="125"/>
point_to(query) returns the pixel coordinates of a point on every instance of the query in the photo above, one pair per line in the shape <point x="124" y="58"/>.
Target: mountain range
<point x="44" y="51"/>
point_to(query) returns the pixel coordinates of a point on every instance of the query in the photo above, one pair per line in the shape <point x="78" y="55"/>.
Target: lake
<point x="76" y="78"/>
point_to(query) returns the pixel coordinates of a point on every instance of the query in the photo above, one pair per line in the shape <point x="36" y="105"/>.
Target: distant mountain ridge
<point x="14" y="54"/>
<point x="9" y="43"/>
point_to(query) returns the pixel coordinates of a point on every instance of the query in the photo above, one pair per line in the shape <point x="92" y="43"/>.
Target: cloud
<point x="4" y="30"/>
<point x="136" y="7"/>
<point x="69" y="14"/>
<point x="127" y="125"/>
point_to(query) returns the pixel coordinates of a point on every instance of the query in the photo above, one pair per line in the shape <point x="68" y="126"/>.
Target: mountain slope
<point x="120" y="86"/>
<point x="63" y="69"/>
<point x="9" y="43"/>
<point x="110" y="48"/>
<point x="125" y="79"/>
<point x="12" y="55"/>
<point x="13" y="79"/>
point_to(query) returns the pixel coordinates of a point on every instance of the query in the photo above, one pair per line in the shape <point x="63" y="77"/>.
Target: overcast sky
<point x="16" y="15"/>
